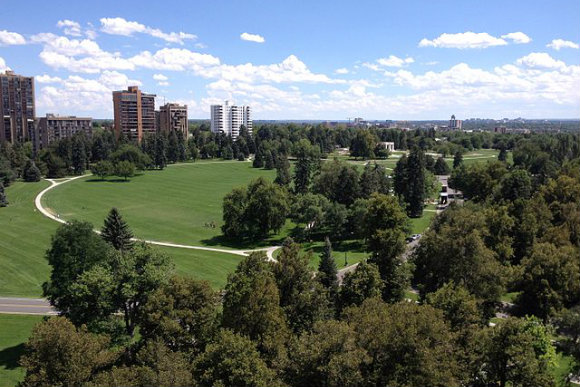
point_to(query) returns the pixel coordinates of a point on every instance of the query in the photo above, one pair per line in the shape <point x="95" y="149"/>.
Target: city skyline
<point x="299" y="61"/>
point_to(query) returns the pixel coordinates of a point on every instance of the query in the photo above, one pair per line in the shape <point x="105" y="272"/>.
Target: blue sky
<point x="303" y="59"/>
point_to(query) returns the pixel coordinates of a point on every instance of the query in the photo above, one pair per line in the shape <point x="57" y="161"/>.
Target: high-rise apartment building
<point x="228" y="119"/>
<point x="53" y="128"/>
<point x="134" y="113"/>
<point x="455" y="124"/>
<point x="16" y="107"/>
<point x="173" y="116"/>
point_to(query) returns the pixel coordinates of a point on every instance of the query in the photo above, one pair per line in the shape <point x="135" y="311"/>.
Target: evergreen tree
<point x="441" y="167"/>
<point x="3" y="200"/>
<point x="116" y="231"/>
<point x="268" y="160"/>
<point x="172" y="147"/>
<point x="502" y="154"/>
<point x="327" y="268"/>
<point x="160" y="159"/>
<point x="283" y="177"/>
<point x="182" y="154"/>
<point x="457" y="159"/>
<point x="31" y="173"/>
<point x="258" y="160"/>
<point x="400" y="176"/>
<point x="415" y="195"/>
<point x="78" y="154"/>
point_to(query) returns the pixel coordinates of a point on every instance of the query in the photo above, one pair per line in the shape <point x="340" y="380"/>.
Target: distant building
<point x="173" y="117"/>
<point x="390" y="146"/>
<point x="53" y="128"/>
<point x="17" y="107"/>
<point x="455" y="124"/>
<point x="134" y="113"/>
<point x="228" y="118"/>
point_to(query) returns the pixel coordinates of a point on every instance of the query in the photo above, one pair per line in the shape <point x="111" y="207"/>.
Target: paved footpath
<point x="33" y="306"/>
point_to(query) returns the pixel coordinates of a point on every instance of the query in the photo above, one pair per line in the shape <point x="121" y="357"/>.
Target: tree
<point x="363" y="145"/>
<point x="55" y="165"/>
<point x="301" y="297"/>
<point x="362" y="283"/>
<point x="183" y="314"/>
<point x="251" y="305"/>
<point x="551" y="280"/>
<point x="327" y="269"/>
<point x="103" y="169"/>
<point x="518" y="352"/>
<point x="283" y="177"/>
<point x="502" y="156"/>
<point x="407" y="344"/>
<point x="3" y="199"/>
<point x="308" y="158"/>
<point x="441" y="167"/>
<point x="78" y="154"/>
<point x="31" y="173"/>
<point x="258" y="160"/>
<point x="160" y="144"/>
<point x="125" y="169"/>
<point x="75" y="248"/>
<point x="415" y="195"/>
<point x="59" y="354"/>
<point x="386" y="227"/>
<point x="116" y="231"/>
<point x="173" y="150"/>
<point x="327" y="356"/>
<point x="374" y="179"/>
<point x="457" y="159"/>
<point x="401" y="177"/>
<point x="232" y="360"/>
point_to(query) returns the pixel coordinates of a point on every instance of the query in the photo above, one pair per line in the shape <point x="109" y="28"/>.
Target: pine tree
<point x="79" y="155"/>
<point x="258" y="160"/>
<point x="502" y="154"/>
<point x="31" y="172"/>
<point x="441" y="167"/>
<point x="160" y="159"/>
<point x="173" y="148"/>
<point x="415" y="194"/>
<point x="3" y="200"/>
<point x="116" y="231"/>
<point x="457" y="159"/>
<point x="283" y="177"/>
<point x="327" y="268"/>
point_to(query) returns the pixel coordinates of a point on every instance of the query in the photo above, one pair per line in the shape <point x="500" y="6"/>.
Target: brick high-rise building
<point x="455" y="124"/>
<point x="134" y="113"/>
<point x="173" y="117"/>
<point x="16" y="107"/>
<point x="53" y="128"/>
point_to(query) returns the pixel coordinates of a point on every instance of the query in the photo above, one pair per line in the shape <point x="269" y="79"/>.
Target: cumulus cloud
<point x="541" y="60"/>
<point x="558" y="44"/>
<point x="517" y="37"/>
<point x="3" y="66"/>
<point x="160" y="77"/>
<point x="464" y="40"/>
<point x="341" y="70"/>
<point x="45" y="78"/>
<point x="8" y="38"/>
<point x="252" y="37"/>
<point x="120" y="26"/>
<point x="391" y="61"/>
<point x="69" y="27"/>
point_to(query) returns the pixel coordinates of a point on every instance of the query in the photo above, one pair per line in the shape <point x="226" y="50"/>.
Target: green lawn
<point x="419" y="225"/>
<point x="354" y="253"/>
<point x="173" y="205"/>
<point x="24" y="238"/>
<point x="14" y="331"/>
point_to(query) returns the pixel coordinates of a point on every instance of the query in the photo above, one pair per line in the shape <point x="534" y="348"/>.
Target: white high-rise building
<point x="228" y="118"/>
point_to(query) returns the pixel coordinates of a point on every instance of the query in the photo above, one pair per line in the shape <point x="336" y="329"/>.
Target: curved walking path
<point x="56" y="182"/>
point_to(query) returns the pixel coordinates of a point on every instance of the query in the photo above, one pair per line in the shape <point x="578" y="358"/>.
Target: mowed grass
<point x="176" y="205"/>
<point x="14" y="332"/>
<point x="24" y="238"/>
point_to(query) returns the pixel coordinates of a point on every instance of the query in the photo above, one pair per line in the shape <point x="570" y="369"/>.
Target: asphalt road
<point x="37" y="306"/>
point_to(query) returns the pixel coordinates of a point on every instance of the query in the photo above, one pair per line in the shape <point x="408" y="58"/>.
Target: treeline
<point x="274" y="324"/>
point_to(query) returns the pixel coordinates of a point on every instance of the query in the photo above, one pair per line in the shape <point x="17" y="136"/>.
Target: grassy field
<point x="24" y="238"/>
<point x="14" y="331"/>
<point x="173" y="205"/>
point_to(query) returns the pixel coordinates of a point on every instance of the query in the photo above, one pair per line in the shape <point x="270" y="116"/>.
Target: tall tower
<point x="228" y="119"/>
<point x="134" y="113"/>
<point x="17" y="107"/>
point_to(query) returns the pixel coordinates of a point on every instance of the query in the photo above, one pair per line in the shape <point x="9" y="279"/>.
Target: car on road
<point x="413" y="237"/>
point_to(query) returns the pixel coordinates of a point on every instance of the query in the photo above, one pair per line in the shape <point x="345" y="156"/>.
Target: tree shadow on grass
<point x="9" y="357"/>
<point x="243" y="243"/>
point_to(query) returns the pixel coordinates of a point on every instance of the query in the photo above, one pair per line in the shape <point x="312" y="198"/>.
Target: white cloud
<point x="69" y="27"/>
<point x="87" y="96"/>
<point x="160" y="77"/>
<point x="394" y="61"/>
<point x="45" y="78"/>
<point x="252" y="37"/>
<point x="8" y="38"/>
<point x="464" y="40"/>
<point x="3" y="66"/>
<point x="517" y="37"/>
<point x="174" y="59"/>
<point x="540" y="60"/>
<point x="120" y="26"/>
<point x="341" y="70"/>
<point x="558" y="44"/>
<point x="163" y="83"/>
